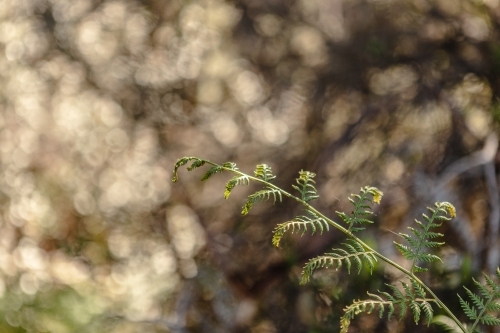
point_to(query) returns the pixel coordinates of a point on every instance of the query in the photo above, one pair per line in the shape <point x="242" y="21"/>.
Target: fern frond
<point x="218" y="168"/>
<point x="490" y="320"/>
<point x="361" y="202"/>
<point x="485" y="305"/>
<point x="298" y="224"/>
<point x="306" y="187"/>
<point x="198" y="162"/>
<point x="235" y="181"/>
<point x="412" y="298"/>
<point x="419" y="290"/>
<point x="428" y="311"/>
<point x="419" y="240"/>
<point x="354" y="252"/>
<point x="264" y="172"/>
<point x="469" y="311"/>
<point x="212" y="171"/>
<point x="183" y="161"/>
<point x="259" y="196"/>
<point x="230" y="165"/>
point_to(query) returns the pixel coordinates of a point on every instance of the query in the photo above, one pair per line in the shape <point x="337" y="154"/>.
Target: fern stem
<point x="351" y="235"/>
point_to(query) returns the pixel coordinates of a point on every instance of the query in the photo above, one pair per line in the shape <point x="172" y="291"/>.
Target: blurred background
<point x="98" y="99"/>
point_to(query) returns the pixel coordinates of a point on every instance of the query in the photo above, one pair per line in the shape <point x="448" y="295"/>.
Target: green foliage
<point x="306" y="187"/>
<point x="264" y="172"/>
<point x="485" y="304"/>
<point x="216" y="169"/>
<point x="361" y="202"/>
<point x="233" y="182"/>
<point x="354" y="252"/>
<point x="298" y="224"/>
<point x="259" y="196"/>
<point x="411" y="297"/>
<point x="419" y="241"/>
<point x="183" y="161"/>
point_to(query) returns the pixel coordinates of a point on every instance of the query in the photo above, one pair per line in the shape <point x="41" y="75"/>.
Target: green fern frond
<point x="354" y="252"/>
<point x="264" y="172"/>
<point x="183" y="161"/>
<point x="490" y="320"/>
<point x="469" y="311"/>
<point x="412" y="298"/>
<point x="219" y="168"/>
<point x="230" y="165"/>
<point x="361" y="202"/>
<point x="212" y="171"/>
<point x="306" y="187"/>
<point x="235" y="181"/>
<point x="485" y="305"/>
<point x="300" y="223"/>
<point x="417" y="288"/>
<point x="419" y="241"/>
<point x="196" y="164"/>
<point x="259" y="196"/>
<point x="481" y="307"/>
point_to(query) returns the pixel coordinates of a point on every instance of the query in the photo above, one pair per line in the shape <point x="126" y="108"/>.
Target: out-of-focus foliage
<point x="99" y="98"/>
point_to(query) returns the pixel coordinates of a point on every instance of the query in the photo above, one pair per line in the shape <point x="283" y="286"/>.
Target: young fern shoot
<point x="415" y="296"/>
<point x="420" y="240"/>
<point x="361" y="203"/>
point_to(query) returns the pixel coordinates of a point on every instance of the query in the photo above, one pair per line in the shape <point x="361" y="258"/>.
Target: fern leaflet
<point x="300" y="223"/>
<point x="306" y="187"/>
<point x="231" y="166"/>
<point x="259" y="196"/>
<point x="419" y="241"/>
<point x="361" y="203"/>
<point x="212" y="171"/>
<point x="264" y="172"/>
<point x="183" y="161"/>
<point x="411" y="298"/>
<point x="233" y="182"/>
<point x="354" y="252"/>
<point x="484" y="305"/>
<point x="218" y="168"/>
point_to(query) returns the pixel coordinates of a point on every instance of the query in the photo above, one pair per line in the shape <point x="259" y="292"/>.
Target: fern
<point x="354" y="252"/>
<point x="264" y="172"/>
<point x="259" y="196"/>
<point x="412" y="298"/>
<point x="361" y="203"/>
<point x="233" y="182"/>
<point x="306" y="188"/>
<point x="183" y="161"/>
<point x="300" y="223"/>
<point x="484" y="305"/>
<point x="419" y="241"/>
<point x="218" y="168"/>
<point x="212" y="171"/>
<point x="482" y="308"/>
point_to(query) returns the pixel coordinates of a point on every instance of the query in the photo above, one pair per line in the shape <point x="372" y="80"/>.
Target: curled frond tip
<point x="449" y="208"/>
<point x="377" y="194"/>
